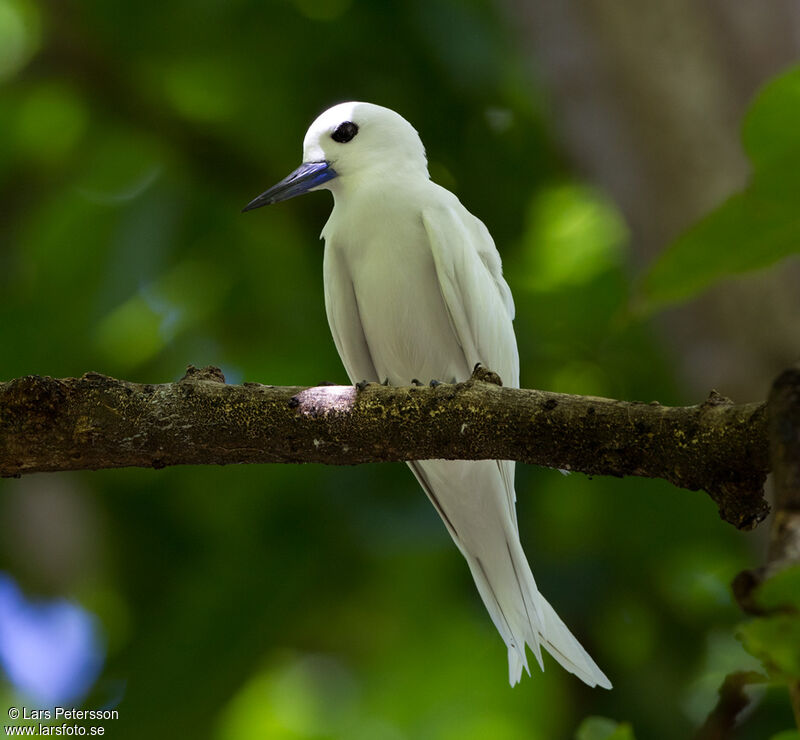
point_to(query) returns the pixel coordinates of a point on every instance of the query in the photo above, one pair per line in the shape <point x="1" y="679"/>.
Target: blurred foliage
<point x="601" y="728"/>
<point x="753" y="228"/>
<point x="311" y="602"/>
<point x="774" y="639"/>
<point x="781" y="590"/>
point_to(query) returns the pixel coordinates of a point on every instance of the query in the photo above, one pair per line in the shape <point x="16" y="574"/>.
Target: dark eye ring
<point x="344" y="132"/>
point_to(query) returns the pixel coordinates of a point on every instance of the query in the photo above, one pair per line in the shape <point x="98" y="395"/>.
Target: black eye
<point x="344" y="132"/>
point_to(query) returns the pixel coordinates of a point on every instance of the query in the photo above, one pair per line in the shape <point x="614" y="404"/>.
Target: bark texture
<point x="783" y="409"/>
<point x="95" y="421"/>
<point x="783" y="433"/>
<point x="784" y="437"/>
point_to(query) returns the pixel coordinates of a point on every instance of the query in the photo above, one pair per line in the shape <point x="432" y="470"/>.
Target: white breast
<point x="400" y="309"/>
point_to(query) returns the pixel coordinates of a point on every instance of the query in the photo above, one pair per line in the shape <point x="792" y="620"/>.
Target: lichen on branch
<point x="95" y="421"/>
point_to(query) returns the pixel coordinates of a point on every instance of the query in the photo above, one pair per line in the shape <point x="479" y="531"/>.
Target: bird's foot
<point x="479" y="372"/>
<point x="434" y="383"/>
<point x="385" y="381"/>
<point x="363" y="384"/>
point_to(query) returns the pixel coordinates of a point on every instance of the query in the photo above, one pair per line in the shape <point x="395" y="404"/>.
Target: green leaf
<point x="775" y="641"/>
<point x="781" y="590"/>
<point x="754" y="228"/>
<point x="602" y="728"/>
<point x="769" y="130"/>
<point x="573" y="234"/>
<point x="786" y="735"/>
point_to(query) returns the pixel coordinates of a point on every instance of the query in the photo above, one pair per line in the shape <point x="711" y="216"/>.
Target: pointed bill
<point x="307" y="176"/>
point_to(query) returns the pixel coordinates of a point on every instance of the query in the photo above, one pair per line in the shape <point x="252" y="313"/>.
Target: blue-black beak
<point x="307" y="176"/>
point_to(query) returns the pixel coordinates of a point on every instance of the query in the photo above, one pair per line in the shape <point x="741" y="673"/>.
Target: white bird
<point x="414" y="290"/>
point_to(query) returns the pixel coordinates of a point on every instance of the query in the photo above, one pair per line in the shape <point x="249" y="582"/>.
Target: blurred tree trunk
<point x="647" y="99"/>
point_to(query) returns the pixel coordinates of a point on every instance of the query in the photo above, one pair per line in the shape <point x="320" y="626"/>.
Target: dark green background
<point x="306" y="601"/>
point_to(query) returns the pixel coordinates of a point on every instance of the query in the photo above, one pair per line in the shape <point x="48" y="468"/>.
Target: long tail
<point x="477" y="507"/>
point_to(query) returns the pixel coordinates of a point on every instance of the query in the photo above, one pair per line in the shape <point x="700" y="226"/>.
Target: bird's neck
<point x="380" y="180"/>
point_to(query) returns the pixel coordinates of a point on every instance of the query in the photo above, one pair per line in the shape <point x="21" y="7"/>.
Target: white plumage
<point x="414" y="290"/>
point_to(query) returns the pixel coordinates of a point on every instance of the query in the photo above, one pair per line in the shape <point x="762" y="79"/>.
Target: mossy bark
<point x="95" y="421"/>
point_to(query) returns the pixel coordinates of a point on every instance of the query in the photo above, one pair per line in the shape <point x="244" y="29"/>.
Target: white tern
<point x="414" y="290"/>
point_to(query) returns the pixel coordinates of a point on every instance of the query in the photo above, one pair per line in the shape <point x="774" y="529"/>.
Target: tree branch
<point x="733" y="698"/>
<point x="94" y="422"/>
<point x="784" y="438"/>
<point x="783" y="429"/>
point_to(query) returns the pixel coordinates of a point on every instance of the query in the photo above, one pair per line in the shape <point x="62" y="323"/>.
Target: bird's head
<point x="348" y="143"/>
